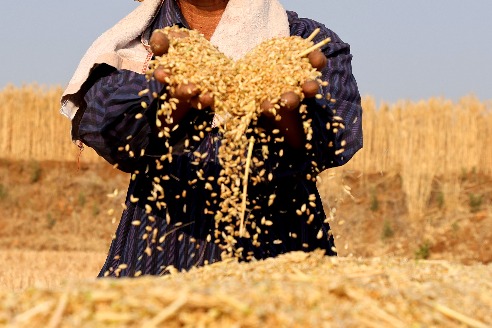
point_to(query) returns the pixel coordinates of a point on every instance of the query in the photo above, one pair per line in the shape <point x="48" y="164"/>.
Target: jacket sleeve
<point x="109" y="124"/>
<point x="118" y="128"/>
<point x="115" y="124"/>
<point x="340" y="107"/>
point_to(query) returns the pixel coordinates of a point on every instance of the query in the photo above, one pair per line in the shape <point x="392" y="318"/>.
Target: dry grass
<point x="294" y="290"/>
<point x="419" y="140"/>
<point x="424" y="140"/>
<point x="455" y="135"/>
<point x="32" y="128"/>
<point x="458" y="136"/>
<point x="46" y="269"/>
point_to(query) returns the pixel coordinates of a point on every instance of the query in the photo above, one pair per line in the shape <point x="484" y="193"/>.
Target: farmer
<point x="103" y="99"/>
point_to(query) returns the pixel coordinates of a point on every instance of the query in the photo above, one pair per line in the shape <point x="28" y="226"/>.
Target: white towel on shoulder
<point x="244" y="25"/>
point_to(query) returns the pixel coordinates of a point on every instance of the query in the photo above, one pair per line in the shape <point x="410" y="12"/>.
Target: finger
<point x="310" y="88"/>
<point x="207" y="100"/>
<point x="186" y="91"/>
<point x="203" y="101"/>
<point x="287" y="120"/>
<point x="290" y="101"/>
<point x="162" y="75"/>
<point x="317" y="59"/>
<point x="159" y="43"/>
<point x="178" y="34"/>
<point x="267" y="108"/>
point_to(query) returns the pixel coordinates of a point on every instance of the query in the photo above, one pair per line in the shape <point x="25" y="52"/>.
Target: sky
<point x="409" y="50"/>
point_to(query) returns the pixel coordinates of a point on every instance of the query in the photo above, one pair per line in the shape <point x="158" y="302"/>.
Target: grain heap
<point x="294" y="290"/>
<point x="268" y="78"/>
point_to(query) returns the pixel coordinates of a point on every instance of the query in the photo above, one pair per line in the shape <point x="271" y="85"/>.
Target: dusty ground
<point x="56" y="220"/>
<point x="55" y="206"/>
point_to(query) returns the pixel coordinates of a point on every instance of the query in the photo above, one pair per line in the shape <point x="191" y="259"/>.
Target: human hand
<point x="189" y="94"/>
<point x="285" y="116"/>
<point x="291" y="100"/>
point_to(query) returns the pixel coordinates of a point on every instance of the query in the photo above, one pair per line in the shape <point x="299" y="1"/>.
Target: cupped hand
<point x="188" y="95"/>
<point x="318" y="59"/>
<point x="286" y="116"/>
<point x="159" y="41"/>
<point x="191" y="95"/>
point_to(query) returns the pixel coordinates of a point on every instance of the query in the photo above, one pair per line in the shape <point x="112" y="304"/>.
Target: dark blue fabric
<point x="108" y="125"/>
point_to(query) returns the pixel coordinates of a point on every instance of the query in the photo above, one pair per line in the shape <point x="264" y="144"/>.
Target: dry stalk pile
<point x="293" y="290"/>
<point x="238" y="92"/>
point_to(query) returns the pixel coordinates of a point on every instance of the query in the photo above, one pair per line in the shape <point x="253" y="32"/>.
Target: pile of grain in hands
<point x="294" y="290"/>
<point x="274" y="73"/>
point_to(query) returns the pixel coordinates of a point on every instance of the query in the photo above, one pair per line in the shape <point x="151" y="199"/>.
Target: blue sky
<point x="402" y="49"/>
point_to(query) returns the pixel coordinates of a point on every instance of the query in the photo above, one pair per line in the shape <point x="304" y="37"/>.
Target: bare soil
<point x="63" y="206"/>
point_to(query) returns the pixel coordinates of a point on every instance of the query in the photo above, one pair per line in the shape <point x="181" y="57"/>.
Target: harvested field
<point x="414" y="236"/>
<point x="294" y="290"/>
